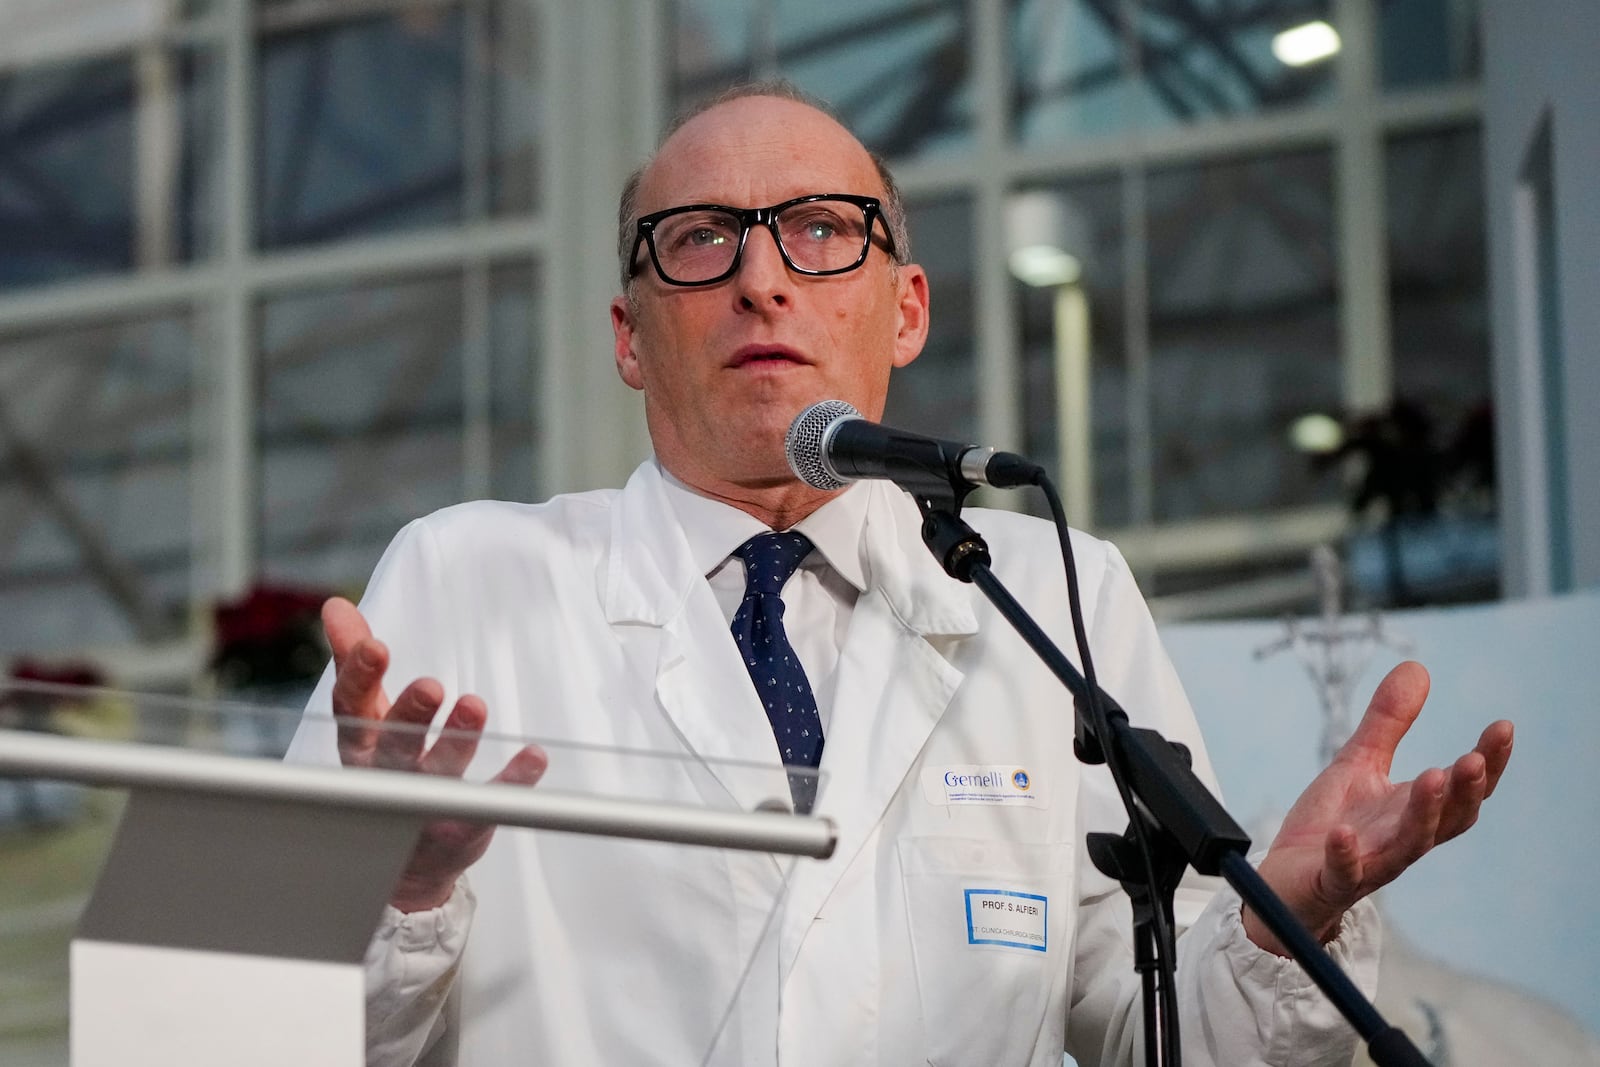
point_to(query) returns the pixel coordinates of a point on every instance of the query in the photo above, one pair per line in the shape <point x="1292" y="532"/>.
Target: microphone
<point x="829" y="445"/>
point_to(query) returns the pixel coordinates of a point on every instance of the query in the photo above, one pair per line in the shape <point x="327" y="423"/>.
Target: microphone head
<point x="806" y="443"/>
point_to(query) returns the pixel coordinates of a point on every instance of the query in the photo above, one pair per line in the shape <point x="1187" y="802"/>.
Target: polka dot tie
<point x="769" y="560"/>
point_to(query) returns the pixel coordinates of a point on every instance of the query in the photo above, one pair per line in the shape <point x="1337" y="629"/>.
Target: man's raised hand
<point x="446" y="847"/>
<point x="1353" y="831"/>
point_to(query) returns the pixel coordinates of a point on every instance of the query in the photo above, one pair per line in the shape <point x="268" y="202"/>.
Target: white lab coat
<point x="584" y="619"/>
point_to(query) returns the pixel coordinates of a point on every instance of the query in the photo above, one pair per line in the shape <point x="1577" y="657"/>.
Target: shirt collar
<point x="714" y="529"/>
<point x="649" y="573"/>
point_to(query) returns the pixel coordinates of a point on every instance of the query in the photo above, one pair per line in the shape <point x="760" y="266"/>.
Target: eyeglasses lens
<point x="819" y="236"/>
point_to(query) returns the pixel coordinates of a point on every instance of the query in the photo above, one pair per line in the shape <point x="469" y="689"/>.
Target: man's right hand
<point x="447" y="847"/>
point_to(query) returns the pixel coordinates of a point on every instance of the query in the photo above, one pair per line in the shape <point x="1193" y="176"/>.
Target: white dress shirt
<point x="817" y="600"/>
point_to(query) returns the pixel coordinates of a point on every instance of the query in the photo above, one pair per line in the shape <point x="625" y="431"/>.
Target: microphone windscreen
<point x="804" y="444"/>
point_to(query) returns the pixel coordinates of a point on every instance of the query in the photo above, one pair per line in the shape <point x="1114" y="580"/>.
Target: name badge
<point x="995" y="783"/>
<point x="1004" y="917"/>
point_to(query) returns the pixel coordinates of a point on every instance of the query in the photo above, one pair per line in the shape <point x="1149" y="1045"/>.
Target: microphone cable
<point x="1166" y="943"/>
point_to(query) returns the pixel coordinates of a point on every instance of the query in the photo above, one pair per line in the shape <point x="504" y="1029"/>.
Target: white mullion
<point x="997" y="359"/>
<point x="372" y="259"/>
<point x="1288" y="130"/>
<point x="1136" y="346"/>
<point x="1136" y="284"/>
<point x="1364" y="337"/>
<point x="558" y="388"/>
<point x="476" y="371"/>
<point x="592" y="433"/>
<point x="76" y="303"/>
<point x="232" y="425"/>
<point x="157" y="146"/>
<point x="1421" y="109"/>
<point x="1530" y="442"/>
<point x="293" y="15"/>
<point x="477" y="382"/>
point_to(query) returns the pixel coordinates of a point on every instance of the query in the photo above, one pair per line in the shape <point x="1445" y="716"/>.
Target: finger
<point x="1495" y="746"/>
<point x="1463" y="796"/>
<point x="358" y="681"/>
<point x="358" y="697"/>
<point x="1419" y="824"/>
<point x="1340" y="883"/>
<point x="1394" y="707"/>
<point x="456" y="746"/>
<point x="345" y="626"/>
<point x="359" y="660"/>
<point x="526" y="767"/>
<point x="400" y="744"/>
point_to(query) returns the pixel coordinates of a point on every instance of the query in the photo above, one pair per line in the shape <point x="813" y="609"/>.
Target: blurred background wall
<point x="1251" y="275"/>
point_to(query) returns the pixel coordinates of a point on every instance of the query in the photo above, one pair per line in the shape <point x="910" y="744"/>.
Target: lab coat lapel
<point x="704" y="689"/>
<point x="670" y="627"/>
<point x="892" y="687"/>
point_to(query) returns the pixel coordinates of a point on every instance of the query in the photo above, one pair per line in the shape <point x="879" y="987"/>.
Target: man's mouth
<point x="766" y="354"/>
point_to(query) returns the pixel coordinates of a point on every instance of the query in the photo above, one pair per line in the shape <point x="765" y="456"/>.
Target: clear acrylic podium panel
<point x="55" y="835"/>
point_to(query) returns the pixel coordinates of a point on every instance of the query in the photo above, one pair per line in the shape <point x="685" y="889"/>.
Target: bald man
<point x="765" y="266"/>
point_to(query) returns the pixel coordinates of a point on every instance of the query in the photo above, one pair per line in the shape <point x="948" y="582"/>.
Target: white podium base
<point x="152" y="1006"/>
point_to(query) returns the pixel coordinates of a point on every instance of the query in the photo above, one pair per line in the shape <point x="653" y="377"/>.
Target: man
<point x="604" y="618"/>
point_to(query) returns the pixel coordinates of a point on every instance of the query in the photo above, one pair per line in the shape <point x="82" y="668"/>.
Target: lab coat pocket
<point x="988" y="934"/>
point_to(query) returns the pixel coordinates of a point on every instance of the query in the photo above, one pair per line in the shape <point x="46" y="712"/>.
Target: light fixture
<point x="1044" y="266"/>
<point x="1303" y="45"/>
<point x="1041" y="227"/>
<point x="1316" y="433"/>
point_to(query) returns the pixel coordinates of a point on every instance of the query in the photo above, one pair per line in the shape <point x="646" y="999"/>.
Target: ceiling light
<point x="1045" y="235"/>
<point x="1306" y="44"/>
<point x="1317" y="434"/>
<point x="1045" y="266"/>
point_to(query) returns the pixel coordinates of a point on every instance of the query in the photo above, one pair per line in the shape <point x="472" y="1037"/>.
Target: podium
<point x="234" y="909"/>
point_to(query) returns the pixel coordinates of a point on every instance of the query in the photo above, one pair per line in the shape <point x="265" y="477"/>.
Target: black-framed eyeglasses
<point x="701" y="244"/>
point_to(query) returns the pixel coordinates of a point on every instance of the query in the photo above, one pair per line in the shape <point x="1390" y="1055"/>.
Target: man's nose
<point x="763" y="278"/>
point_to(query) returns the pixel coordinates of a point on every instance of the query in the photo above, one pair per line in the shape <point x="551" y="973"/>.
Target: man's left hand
<point x="1353" y="831"/>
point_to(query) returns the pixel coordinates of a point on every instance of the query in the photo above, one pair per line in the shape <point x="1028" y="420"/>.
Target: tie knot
<point x="769" y="560"/>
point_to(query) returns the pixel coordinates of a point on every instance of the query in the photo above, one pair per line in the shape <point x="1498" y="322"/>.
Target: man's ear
<point x="912" y="298"/>
<point x="623" y="331"/>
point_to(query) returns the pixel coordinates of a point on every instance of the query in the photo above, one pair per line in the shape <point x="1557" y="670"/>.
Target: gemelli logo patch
<point x="996" y="783"/>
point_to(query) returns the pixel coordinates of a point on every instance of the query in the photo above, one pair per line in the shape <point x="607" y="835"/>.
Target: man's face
<point x="726" y="367"/>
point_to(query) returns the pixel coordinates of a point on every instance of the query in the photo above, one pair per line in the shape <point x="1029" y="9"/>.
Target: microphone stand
<point x="1184" y="824"/>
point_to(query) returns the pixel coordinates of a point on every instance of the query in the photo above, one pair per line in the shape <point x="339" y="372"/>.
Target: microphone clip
<point x="958" y="547"/>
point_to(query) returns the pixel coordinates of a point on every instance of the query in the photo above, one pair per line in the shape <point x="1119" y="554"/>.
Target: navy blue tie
<point x="769" y="560"/>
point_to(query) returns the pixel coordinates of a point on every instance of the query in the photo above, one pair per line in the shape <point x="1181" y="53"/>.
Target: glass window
<point x="1088" y="225"/>
<point x="710" y="46"/>
<point x="1073" y="73"/>
<point x="1243" y="331"/>
<point x="361" y="422"/>
<point x="1437" y="276"/>
<point x="505" y="55"/>
<point x="895" y="70"/>
<point x="1202" y="59"/>
<point x="95" y="471"/>
<point x="367" y="401"/>
<point x="1427" y="42"/>
<point x="77" y="195"/>
<point x="516" y="319"/>
<point x="360" y="127"/>
<point x="937" y="393"/>
<point x="1070" y="76"/>
<point x="1440" y="325"/>
<point x="393" y="121"/>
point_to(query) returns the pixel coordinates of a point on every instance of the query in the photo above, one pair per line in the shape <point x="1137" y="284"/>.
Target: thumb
<point x="1341" y="868"/>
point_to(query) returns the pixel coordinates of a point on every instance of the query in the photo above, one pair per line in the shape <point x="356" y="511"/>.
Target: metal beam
<point x="122" y="583"/>
<point x="368" y="259"/>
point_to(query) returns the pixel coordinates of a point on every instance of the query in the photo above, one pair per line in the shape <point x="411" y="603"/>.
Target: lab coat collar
<point x="652" y="568"/>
